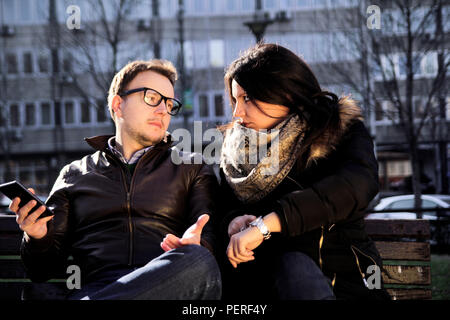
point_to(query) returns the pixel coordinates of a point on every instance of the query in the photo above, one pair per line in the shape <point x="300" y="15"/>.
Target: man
<point x="134" y="222"/>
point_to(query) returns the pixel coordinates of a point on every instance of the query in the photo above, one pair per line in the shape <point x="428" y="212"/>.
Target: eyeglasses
<point x="153" y="98"/>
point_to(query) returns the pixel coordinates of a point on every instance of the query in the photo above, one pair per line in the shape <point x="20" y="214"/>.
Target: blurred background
<point x="58" y="57"/>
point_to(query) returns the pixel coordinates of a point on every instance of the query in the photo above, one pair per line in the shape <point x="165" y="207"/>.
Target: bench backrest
<point x="402" y="245"/>
<point x="405" y="251"/>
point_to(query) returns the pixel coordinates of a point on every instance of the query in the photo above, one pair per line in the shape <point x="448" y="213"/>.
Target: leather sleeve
<point x="203" y="197"/>
<point x="338" y="196"/>
<point x="46" y="258"/>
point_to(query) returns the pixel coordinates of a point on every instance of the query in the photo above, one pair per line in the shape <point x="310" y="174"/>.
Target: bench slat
<point x="8" y="223"/>
<point x="10" y="243"/>
<point x="409" y="294"/>
<point x="12" y="269"/>
<point x="411" y="275"/>
<point x="386" y="228"/>
<point x="11" y="290"/>
<point x="403" y="250"/>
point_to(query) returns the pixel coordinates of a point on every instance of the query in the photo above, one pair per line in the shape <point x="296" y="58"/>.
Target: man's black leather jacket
<point x="106" y="217"/>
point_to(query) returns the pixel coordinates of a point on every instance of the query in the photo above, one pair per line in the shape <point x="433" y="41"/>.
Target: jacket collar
<point x="101" y="142"/>
<point x="349" y="112"/>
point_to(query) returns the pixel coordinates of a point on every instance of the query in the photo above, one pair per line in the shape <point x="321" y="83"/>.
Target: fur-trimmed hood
<point x="349" y="111"/>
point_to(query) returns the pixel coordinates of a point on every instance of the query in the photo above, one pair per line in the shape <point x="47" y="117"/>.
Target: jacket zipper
<point x="321" y="243"/>
<point x="129" y="192"/>
<point x="359" y="266"/>
<point x="128" y="199"/>
<point x="130" y="223"/>
<point x="320" y="247"/>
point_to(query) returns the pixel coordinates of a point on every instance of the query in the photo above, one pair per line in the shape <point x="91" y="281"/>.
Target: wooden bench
<point x="402" y="244"/>
<point x="405" y="251"/>
<point x="14" y="284"/>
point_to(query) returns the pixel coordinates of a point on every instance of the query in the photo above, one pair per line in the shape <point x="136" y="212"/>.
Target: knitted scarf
<point x="255" y="162"/>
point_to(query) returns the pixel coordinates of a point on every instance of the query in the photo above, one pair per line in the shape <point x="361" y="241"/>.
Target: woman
<point x="314" y="175"/>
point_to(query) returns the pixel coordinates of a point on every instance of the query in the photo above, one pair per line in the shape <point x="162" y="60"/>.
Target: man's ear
<point x="116" y="105"/>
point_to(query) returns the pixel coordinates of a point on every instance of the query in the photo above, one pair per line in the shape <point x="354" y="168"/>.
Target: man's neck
<point x="127" y="149"/>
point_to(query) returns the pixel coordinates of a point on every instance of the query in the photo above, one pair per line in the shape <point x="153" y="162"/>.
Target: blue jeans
<point x="299" y="278"/>
<point x="285" y="276"/>
<point x="187" y="273"/>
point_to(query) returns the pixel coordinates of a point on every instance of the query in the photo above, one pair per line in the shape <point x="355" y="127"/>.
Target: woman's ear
<point x="116" y="105"/>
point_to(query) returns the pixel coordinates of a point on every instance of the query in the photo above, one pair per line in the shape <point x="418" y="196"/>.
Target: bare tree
<point x="389" y="62"/>
<point x="95" y="52"/>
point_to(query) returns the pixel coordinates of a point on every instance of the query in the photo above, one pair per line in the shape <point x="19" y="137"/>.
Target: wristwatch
<point x="259" y="223"/>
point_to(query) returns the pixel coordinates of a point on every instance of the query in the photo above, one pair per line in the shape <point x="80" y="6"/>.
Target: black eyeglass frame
<point x="163" y="97"/>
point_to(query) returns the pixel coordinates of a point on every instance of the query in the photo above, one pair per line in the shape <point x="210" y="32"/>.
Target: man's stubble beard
<point x="145" y="139"/>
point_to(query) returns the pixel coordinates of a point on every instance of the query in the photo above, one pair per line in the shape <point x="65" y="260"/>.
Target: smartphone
<point x="15" y="189"/>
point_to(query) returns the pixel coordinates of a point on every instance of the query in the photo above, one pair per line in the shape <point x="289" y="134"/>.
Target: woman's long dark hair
<point x="274" y="74"/>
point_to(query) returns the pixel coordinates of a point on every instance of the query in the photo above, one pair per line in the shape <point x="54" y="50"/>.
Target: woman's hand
<point x="239" y="223"/>
<point x="240" y="248"/>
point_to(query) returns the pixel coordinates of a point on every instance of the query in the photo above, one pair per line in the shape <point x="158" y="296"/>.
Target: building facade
<point x="58" y="57"/>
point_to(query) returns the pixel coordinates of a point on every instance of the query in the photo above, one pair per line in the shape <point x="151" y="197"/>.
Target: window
<point x="319" y="3"/>
<point x="419" y="108"/>
<point x="168" y="8"/>
<point x="85" y="112"/>
<point x="67" y="62"/>
<point x="27" y="62"/>
<point x="9" y="8"/>
<point x="248" y="5"/>
<point x="43" y="63"/>
<point x="201" y="54"/>
<point x="14" y="115"/>
<point x="269" y="5"/>
<point x="216" y="53"/>
<point x="306" y="47"/>
<point x="30" y="114"/>
<point x="429" y="64"/>
<point x="402" y="204"/>
<point x="42" y="11"/>
<point x="33" y="173"/>
<point x="447" y="108"/>
<point x="101" y="111"/>
<point x="45" y="113"/>
<point x="198" y="7"/>
<point x="57" y="110"/>
<point x="25" y="10"/>
<point x="11" y="63"/>
<point x="379" y="113"/>
<point x="218" y="105"/>
<point x="386" y="110"/>
<point x="446" y="18"/>
<point x="232" y="6"/>
<point x="69" y="113"/>
<point x="389" y="63"/>
<point x="203" y="105"/>
<point x="169" y="49"/>
<point x="321" y="47"/>
<point x="300" y="3"/>
<point x="188" y="55"/>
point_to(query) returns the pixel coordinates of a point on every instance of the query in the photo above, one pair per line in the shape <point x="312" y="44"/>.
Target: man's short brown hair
<point x="131" y="70"/>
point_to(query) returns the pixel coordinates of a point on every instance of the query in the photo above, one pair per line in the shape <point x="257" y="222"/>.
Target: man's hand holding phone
<point x="29" y="222"/>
